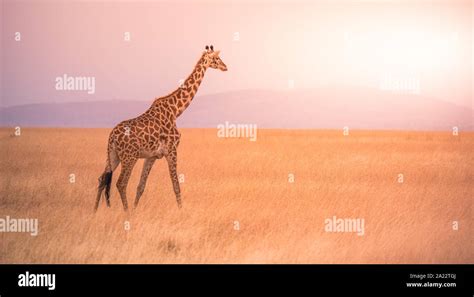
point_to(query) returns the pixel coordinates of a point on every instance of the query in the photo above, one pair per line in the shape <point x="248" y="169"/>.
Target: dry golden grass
<point x="229" y="180"/>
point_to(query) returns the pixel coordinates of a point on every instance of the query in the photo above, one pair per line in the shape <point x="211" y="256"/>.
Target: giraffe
<point x="153" y="135"/>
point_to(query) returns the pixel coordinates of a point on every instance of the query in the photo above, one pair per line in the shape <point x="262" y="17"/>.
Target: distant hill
<point x="357" y="108"/>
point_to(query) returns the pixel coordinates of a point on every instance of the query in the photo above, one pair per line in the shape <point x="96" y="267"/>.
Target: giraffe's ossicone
<point x="153" y="135"/>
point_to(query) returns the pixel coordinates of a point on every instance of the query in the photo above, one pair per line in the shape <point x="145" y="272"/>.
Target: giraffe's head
<point x="212" y="59"/>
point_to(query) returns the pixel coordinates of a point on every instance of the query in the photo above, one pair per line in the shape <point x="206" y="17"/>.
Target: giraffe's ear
<point x="216" y="53"/>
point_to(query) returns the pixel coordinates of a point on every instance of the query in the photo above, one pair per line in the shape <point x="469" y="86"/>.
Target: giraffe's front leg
<point x="172" y="164"/>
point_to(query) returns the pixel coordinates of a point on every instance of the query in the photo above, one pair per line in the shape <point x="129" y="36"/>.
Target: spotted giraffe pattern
<point x="153" y="135"/>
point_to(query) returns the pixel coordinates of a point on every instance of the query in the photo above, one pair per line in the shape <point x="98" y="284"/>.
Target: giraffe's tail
<point x="105" y="181"/>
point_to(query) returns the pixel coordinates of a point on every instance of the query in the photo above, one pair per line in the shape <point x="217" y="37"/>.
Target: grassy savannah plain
<point x="238" y="203"/>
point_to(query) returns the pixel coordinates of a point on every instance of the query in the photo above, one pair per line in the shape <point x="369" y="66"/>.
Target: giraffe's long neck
<point x="185" y="93"/>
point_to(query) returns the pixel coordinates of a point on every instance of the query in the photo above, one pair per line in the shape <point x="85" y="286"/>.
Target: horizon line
<point x="249" y="90"/>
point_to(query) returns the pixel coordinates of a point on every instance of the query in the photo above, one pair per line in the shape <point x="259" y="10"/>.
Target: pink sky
<point x="310" y="43"/>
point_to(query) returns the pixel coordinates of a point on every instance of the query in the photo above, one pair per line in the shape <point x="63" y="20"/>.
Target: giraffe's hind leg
<point x="122" y="182"/>
<point x="114" y="161"/>
<point x="147" y="165"/>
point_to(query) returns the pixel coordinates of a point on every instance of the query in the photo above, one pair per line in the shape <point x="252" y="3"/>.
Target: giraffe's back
<point x="142" y="137"/>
